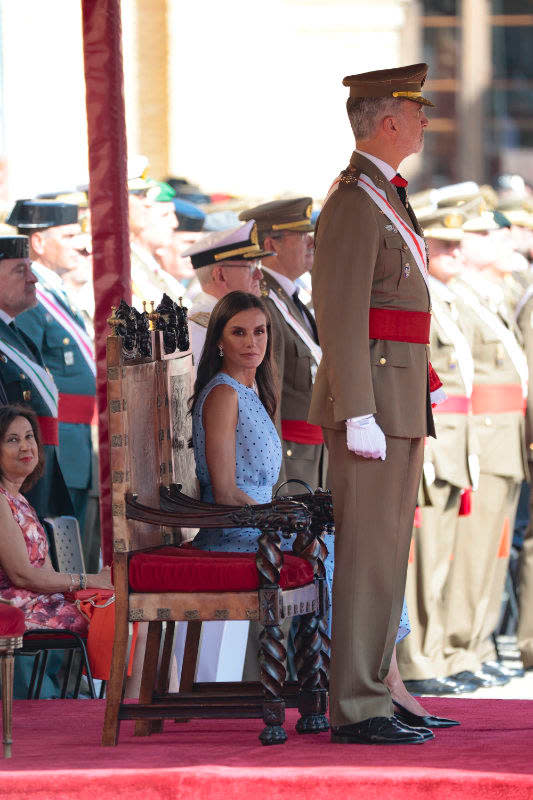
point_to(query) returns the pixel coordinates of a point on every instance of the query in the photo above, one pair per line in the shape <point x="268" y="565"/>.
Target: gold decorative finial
<point x="153" y="316"/>
<point x="114" y="321"/>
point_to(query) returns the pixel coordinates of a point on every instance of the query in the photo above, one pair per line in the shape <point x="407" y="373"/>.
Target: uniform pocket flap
<point x="392" y="354"/>
<point x="393" y="241"/>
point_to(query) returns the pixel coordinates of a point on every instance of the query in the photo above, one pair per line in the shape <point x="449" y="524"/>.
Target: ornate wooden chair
<point x="156" y="580"/>
<point x="11" y="632"/>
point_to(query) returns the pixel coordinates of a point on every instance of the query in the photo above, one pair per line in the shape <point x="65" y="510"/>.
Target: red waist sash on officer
<point x="498" y="398"/>
<point x="49" y="430"/>
<point x="77" y="408"/>
<point x="397" y="325"/>
<point x="454" y="404"/>
<point x="301" y="432"/>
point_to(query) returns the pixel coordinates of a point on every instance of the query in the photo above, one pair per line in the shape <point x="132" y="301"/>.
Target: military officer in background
<point x="58" y="330"/>
<point x="285" y="228"/>
<point x="23" y="376"/>
<point x="481" y="556"/>
<point x="224" y="261"/>
<point x="451" y="467"/>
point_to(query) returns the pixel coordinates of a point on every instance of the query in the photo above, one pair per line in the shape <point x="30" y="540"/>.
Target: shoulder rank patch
<point x="200" y="317"/>
<point x="264" y="288"/>
<point x="349" y="176"/>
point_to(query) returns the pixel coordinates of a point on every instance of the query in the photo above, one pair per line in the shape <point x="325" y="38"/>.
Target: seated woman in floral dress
<point x="27" y="577"/>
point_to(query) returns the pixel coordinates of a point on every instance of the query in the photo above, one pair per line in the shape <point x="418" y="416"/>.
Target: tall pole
<point x="475" y="80"/>
<point x="108" y="199"/>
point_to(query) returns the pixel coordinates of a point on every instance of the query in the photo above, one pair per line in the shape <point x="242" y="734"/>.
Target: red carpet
<point x="57" y="755"/>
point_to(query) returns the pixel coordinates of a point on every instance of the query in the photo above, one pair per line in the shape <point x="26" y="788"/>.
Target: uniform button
<point x="66" y="340"/>
<point x="22" y="376"/>
<point x="3" y="359"/>
<point x="26" y="394"/>
<point x="382" y="360"/>
<point x="488" y="421"/>
<point x="531" y="446"/>
<point x="330" y="398"/>
<point x="289" y="452"/>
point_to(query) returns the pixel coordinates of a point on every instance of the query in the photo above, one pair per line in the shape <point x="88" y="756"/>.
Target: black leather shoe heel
<point x="379" y="730"/>
<point x="429" y="721"/>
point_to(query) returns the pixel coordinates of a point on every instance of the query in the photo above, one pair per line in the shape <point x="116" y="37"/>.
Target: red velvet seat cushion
<point x="11" y="621"/>
<point x="175" y="569"/>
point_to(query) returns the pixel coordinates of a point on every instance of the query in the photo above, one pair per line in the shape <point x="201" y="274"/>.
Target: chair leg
<point x="272" y="657"/>
<point x="103" y="687"/>
<point x="34" y="672"/>
<point x="6" y="674"/>
<point x="42" y="670"/>
<point x="68" y="670"/>
<point x="163" y="680"/>
<point x="190" y="656"/>
<point x="84" y="664"/>
<point x="151" y="659"/>
<point x="117" y="680"/>
<point x="312" y="698"/>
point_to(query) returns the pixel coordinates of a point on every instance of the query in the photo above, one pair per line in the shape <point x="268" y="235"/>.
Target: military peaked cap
<point x="281" y="215"/>
<point x="399" y="82"/>
<point x="14" y="247"/>
<point x="36" y="214"/>
<point x="237" y="244"/>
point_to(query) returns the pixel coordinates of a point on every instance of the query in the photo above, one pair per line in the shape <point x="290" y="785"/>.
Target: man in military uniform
<point x="57" y="329"/>
<point x="481" y="556"/>
<point x="220" y="270"/>
<point x="372" y="392"/>
<point x="451" y="467"/>
<point x="23" y="375"/>
<point x="284" y="228"/>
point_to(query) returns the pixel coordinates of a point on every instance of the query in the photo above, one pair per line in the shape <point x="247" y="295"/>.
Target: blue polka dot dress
<point x="258" y="462"/>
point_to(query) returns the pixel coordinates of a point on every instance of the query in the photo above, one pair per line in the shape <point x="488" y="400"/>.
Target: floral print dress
<point x="40" y="610"/>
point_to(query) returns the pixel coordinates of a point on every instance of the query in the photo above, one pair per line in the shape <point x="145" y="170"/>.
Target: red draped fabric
<point x="108" y="198"/>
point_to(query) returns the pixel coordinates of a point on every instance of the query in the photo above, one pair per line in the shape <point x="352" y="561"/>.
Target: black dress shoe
<point x="480" y="679"/>
<point x="496" y="668"/>
<point x="407" y="717"/>
<point x="379" y="730"/>
<point x="433" y="686"/>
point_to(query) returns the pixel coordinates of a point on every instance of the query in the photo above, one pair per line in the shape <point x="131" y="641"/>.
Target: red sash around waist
<point x="496" y="398"/>
<point x="301" y="432"/>
<point x="454" y="404"/>
<point x="77" y="408"/>
<point x="49" y="430"/>
<point x="396" y="325"/>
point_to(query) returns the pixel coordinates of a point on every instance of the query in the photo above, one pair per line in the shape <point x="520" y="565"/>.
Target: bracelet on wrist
<point x="83" y="580"/>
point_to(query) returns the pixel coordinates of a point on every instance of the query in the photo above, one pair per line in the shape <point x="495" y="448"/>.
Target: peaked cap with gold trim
<point x="399" y="82"/>
<point x="237" y="244"/>
<point x="281" y="215"/>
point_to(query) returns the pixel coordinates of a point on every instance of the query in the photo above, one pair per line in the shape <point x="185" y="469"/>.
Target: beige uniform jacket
<point x="456" y="438"/>
<point x="293" y="358"/>
<point x="501" y="435"/>
<point x="361" y="261"/>
<point x="525" y="323"/>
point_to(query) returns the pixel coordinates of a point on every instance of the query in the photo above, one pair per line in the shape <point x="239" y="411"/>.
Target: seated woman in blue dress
<point x="236" y="445"/>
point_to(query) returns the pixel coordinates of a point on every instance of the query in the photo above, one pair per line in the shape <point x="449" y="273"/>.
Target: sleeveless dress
<point x="40" y="610"/>
<point x="258" y="462"/>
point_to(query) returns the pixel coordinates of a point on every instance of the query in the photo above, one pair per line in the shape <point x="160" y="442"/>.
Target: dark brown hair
<point x="7" y="415"/>
<point x="210" y="362"/>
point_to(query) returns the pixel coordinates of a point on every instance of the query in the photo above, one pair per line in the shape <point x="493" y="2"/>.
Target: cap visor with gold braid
<point x="401" y="82"/>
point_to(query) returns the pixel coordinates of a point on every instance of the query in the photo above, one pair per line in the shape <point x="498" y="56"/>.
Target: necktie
<point x="306" y="314"/>
<point x="401" y="187"/>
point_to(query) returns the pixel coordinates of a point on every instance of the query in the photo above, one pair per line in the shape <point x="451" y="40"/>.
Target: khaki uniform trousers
<point x="421" y="654"/>
<point x="525" y="619"/>
<point x="477" y="577"/>
<point x="374" y="503"/>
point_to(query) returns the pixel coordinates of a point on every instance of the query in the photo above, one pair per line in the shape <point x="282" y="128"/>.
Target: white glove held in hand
<point x="365" y="437"/>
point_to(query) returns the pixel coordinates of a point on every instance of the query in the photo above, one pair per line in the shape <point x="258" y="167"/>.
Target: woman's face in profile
<point x="18" y="450"/>
<point x="244" y="339"/>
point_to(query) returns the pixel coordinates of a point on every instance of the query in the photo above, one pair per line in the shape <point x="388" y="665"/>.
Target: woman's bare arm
<point x="220" y="417"/>
<point x="16" y="563"/>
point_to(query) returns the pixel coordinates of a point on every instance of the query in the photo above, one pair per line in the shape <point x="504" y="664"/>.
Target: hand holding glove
<point x="365" y="438"/>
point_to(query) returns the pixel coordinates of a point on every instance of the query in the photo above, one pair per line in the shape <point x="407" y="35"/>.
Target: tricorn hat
<point x="38" y="214"/>
<point x="399" y="82"/>
<point x="14" y="247"/>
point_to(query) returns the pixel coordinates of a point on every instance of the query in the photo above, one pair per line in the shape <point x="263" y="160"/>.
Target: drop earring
<point x="220" y="352"/>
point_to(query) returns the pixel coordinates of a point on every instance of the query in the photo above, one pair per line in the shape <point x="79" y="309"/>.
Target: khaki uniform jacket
<point x="501" y="436"/>
<point x="525" y="323"/>
<point x="361" y="261"/>
<point x="293" y="358"/>
<point x="456" y="437"/>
